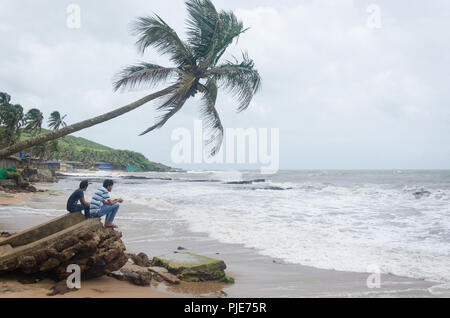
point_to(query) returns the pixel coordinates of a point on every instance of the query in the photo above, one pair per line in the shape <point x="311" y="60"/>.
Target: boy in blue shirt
<point x="78" y="195"/>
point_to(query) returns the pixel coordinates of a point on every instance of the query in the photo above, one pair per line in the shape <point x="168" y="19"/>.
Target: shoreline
<point x="13" y="198"/>
<point x="256" y="275"/>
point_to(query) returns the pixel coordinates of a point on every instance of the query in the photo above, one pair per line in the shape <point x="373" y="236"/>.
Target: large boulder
<point x="49" y="249"/>
<point x="193" y="268"/>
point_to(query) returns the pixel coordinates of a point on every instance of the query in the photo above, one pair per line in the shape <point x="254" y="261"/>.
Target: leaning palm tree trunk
<point x="31" y="142"/>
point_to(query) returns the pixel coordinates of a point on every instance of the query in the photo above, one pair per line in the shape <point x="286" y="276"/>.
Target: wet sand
<point x="103" y="287"/>
<point x="256" y="275"/>
<point x="18" y="198"/>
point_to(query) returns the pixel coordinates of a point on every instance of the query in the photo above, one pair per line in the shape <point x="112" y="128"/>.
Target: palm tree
<point x="197" y="68"/>
<point x="45" y="151"/>
<point x="33" y="120"/>
<point x="4" y="98"/>
<point x="56" y="121"/>
<point x="12" y="119"/>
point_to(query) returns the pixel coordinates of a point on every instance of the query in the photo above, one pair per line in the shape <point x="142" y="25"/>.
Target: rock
<point x="5" y="234"/>
<point x="15" y="185"/>
<point x="421" y="193"/>
<point x="5" y="249"/>
<point x="49" y="264"/>
<point x="39" y="175"/>
<point x="30" y="279"/>
<point x="117" y="275"/>
<point x="194" y="268"/>
<point x="140" y="259"/>
<point x="161" y="273"/>
<point x="134" y="274"/>
<point x="7" y="183"/>
<point x="221" y="294"/>
<point x="181" y="248"/>
<point x="48" y="249"/>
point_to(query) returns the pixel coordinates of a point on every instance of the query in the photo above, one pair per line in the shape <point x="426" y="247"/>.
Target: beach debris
<point x="193" y="268"/>
<point x="60" y="288"/>
<point x="71" y="239"/>
<point x="140" y="259"/>
<point x="9" y="289"/>
<point x="220" y="294"/>
<point x="161" y="273"/>
<point x="134" y="274"/>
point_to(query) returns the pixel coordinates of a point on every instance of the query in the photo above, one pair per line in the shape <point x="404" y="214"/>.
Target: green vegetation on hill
<point x="72" y="148"/>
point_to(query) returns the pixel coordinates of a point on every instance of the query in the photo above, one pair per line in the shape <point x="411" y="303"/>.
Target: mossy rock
<point x="193" y="268"/>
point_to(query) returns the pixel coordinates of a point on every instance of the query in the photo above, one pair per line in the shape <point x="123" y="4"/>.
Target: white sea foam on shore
<point x="326" y="219"/>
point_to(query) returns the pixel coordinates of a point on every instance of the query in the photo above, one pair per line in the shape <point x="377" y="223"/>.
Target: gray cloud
<point x="343" y="95"/>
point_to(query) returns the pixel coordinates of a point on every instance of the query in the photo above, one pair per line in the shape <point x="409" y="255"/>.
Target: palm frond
<point x="201" y="25"/>
<point x="241" y="79"/>
<point x="172" y="105"/>
<point x="135" y="75"/>
<point x="211" y="118"/>
<point x="5" y="98"/>
<point x="153" y="31"/>
<point x="33" y="119"/>
<point x="230" y="29"/>
<point x="210" y="32"/>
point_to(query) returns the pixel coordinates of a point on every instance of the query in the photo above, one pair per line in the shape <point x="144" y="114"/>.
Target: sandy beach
<point x="11" y="199"/>
<point x="256" y="275"/>
<point x="103" y="287"/>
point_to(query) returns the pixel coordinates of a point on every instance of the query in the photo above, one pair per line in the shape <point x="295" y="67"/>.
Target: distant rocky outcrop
<point x="39" y="175"/>
<point x="22" y="180"/>
<point x="15" y="185"/>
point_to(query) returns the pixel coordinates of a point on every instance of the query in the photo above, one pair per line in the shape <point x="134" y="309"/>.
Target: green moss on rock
<point x="193" y="268"/>
<point x="226" y="279"/>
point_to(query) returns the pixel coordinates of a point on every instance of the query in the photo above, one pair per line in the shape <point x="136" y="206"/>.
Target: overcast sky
<point x="344" y="95"/>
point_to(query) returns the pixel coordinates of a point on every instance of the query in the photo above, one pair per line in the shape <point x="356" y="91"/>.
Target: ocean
<point x="396" y="222"/>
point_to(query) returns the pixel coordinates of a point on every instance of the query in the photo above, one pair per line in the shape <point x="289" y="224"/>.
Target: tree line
<point x="15" y="123"/>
